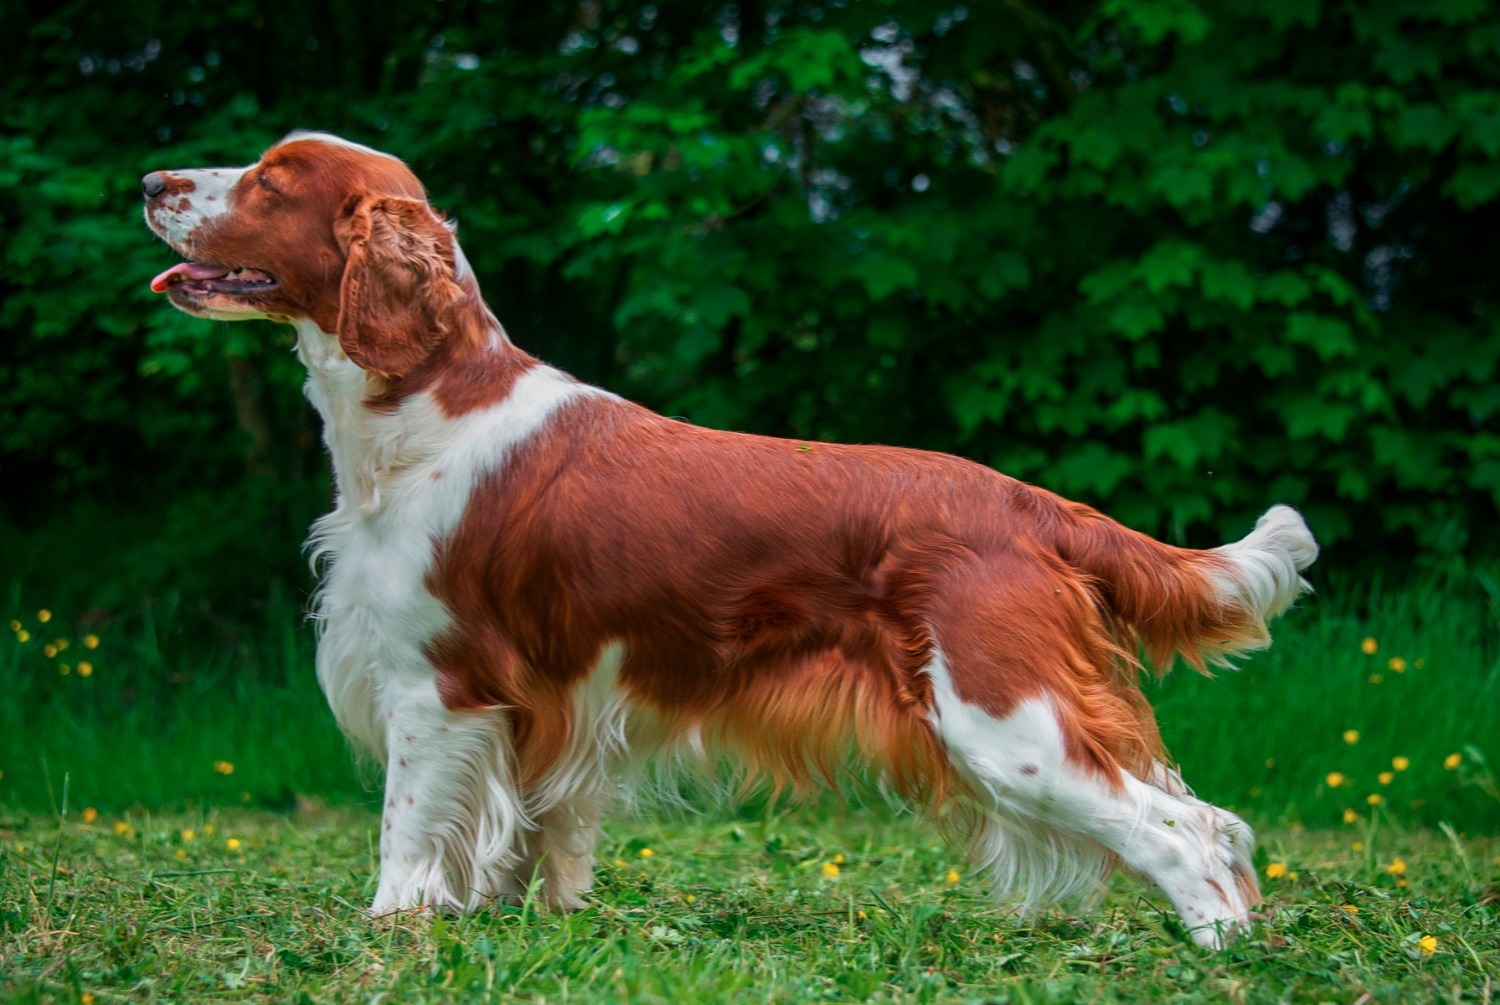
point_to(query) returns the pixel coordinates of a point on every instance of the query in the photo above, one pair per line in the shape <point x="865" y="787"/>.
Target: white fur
<point x="1053" y="830"/>
<point x="177" y="217"/>
<point x="1265" y="565"/>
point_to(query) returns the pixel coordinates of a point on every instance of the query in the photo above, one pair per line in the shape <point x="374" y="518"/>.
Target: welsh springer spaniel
<point x="532" y="585"/>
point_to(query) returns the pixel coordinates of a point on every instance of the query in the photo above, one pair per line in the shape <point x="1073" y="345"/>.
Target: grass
<point x="1378" y="706"/>
<point x="812" y="906"/>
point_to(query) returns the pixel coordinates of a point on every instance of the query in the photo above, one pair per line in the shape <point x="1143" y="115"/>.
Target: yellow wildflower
<point x="1351" y="736"/>
<point x="1374" y="799"/>
<point x="1350" y="816"/>
<point x="44" y="615"/>
<point x="49" y="650"/>
<point x="830" y="870"/>
<point x="647" y="853"/>
<point x="690" y="898"/>
<point x="1428" y="945"/>
<point x="85" y="668"/>
<point x="23" y="636"/>
<point x="1400" y="763"/>
<point x="64" y="669"/>
<point x="86" y="998"/>
<point x="952" y="878"/>
<point x="124" y="829"/>
<point x="1375" y="678"/>
<point x="182" y="853"/>
<point x="838" y="859"/>
<point x="862" y="915"/>
<point x="89" y="814"/>
<point x="1451" y="761"/>
<point x="1396" y="664"/>
<point x="61" y="644"/>
<point x="233" y="844"/>
<point x="208" y="830"/>
<point x="15" y="625"/>
<point x="1270" y="762"/>
<point x="224" y="767"/>
<point x="1334" y="779"/>
<point x="1418" y="664"/>
<point x="1396" y="868"/>
<point x="1349" y="908"/>
<point x="244" y="797"/>
<point x="188" y="834"/>
<point x="1385" y="777"/>
<point x="91" y="641"/>
<point x="1276" y="870"/>
<point x="1369" y="646"/>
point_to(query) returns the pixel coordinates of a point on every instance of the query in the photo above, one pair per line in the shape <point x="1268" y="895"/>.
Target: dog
<point x="531" y="586"/>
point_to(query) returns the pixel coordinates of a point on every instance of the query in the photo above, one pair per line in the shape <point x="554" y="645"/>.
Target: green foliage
<point x="1175" y="259"/>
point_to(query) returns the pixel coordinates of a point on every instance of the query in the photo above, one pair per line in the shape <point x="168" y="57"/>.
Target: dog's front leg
<point x="451" y="813"/>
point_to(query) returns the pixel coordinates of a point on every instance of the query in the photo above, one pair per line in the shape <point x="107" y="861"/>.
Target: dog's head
<point x="319" y="229"/>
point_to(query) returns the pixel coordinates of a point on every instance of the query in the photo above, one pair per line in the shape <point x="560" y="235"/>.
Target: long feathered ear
<point x="399" y="283"/>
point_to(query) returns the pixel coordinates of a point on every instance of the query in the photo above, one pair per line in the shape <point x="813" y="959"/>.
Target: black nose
<point x="153" y="185"/>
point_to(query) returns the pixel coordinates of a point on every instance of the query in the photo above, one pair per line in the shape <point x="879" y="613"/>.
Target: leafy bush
<point x="1177" y="260"/>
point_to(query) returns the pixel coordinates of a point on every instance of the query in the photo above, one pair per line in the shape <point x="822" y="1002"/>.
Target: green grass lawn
<point x="1351" y="746"/>
<point x="810" y="906"/>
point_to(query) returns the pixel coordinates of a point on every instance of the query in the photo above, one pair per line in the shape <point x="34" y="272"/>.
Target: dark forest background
<point x="1179" y="261"/>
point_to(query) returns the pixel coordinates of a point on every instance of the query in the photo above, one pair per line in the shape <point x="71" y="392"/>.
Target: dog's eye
<point x="264" y="181"/>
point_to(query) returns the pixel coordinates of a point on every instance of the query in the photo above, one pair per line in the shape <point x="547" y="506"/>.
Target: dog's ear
<point x="399" y="283"/>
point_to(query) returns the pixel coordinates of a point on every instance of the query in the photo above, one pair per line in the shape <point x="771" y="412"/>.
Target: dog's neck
<point x="378" y="430"/>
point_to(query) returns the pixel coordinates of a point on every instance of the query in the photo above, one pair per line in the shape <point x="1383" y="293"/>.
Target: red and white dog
<point x="532" y="585"/>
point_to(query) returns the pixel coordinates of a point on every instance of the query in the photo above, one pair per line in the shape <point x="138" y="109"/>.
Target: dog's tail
<point x="1205" y="606"/>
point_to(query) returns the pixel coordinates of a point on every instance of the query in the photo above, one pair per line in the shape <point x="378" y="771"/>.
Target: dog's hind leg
<point x="1055" y="827"/>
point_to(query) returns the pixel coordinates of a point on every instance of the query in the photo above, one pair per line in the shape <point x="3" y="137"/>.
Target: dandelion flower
<point x="49" y="650"/>
<point x="1349" y="908"/>
<point x="1334" y="779"/>
<point x="830" y="870"/>
<point x="1375" y="678"/>
<point x="838" y="859"/>
<point x="1400" y="763"/>
<point x="647" y="853"/>
<point x="233" y="844"/>
<point x="85" y="668"/>
<point x="124" y="829"/>
<point x="1396" y="664"/>
<point x="1385" y="777"/>
<point x="1369" y="646"/>
<point x="1451" y="761"/>
<point x="64" y="669"/>
<point x="862" y="915"/>
<point x="1276" y="870"/>
<point x="91" y="641"/>
<point x="208" y="830"/>
<point x="89" y="814"/>
<point x="1396" y="868"/>
<point x="224" y="767"/>
<point x="690" y="898"/>
<point x="1374" y="799"/>
<point x="44" y="615"/>
<point x="1350" y="816"/>
<point x="1351" y="736"/>
<point x="86" y="998"/>
<point x="23" y="636"/>
<point x="1357" y="846"/>
<point x="952" y="878"/>
<point x="1428" y="944"/>
<point x="61" y="644"/>
<point x="182" y="853"/>
<point x="188" y="834"/>
<point x="15" y="625"/>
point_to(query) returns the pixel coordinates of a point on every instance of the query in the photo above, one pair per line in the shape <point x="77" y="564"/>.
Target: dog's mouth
<point x="201" y="279"/>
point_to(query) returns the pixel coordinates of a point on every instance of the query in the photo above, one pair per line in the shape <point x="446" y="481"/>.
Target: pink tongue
<point x="192" y="270"/>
